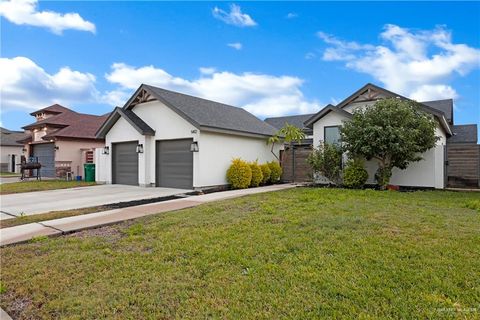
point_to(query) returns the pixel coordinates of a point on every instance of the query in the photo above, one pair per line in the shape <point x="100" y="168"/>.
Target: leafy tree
<point x="393" y="131"/>
<point x="289" y="133"/>
<point x="326" y="160"/>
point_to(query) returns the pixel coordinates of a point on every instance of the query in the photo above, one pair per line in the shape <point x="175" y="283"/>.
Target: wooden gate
<point x="294" y="163"/>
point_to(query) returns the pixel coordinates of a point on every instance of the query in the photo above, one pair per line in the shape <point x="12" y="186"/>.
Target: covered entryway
<point x="45" y="153"/>
<point x="125" y="163"/>
<point x="174" y="164"/>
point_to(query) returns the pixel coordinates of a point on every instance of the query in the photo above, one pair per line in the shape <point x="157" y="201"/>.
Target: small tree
<point x="326" y="160"/>
<point x="289" y="133"/>
<point x="393" y="131"/>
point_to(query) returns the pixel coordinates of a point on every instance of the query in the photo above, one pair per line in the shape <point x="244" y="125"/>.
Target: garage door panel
<point x="46" y="157"/>
<point x="174" y="164"/>
<point x="125" y="163"/>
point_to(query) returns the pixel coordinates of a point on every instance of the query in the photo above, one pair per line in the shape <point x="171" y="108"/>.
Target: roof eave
<point x="113" y="118"/>
<point x="236" y="132"/>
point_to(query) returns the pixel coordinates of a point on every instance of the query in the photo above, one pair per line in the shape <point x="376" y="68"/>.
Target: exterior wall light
<point x="194" y="146"/>
<point x="106" y="150"/>
<point x="24" y="150"/>
<point x="139" y="148"/>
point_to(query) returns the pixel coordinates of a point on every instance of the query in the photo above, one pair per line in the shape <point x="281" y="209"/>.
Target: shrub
<point x="239" y="174"/>
<point x="266" y="172"/>
<point x="275" y="171"/>
<point x="326" y="160"/>
<point x="354" y="174"/>
<point x="257" y="175"/>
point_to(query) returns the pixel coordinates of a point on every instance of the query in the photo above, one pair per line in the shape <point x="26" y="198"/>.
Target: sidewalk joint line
<point x="51" y="227"/>
<point x="9" y="214"/>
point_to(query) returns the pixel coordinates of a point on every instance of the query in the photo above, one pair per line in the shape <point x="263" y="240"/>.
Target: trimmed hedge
<point x="239" y="174"/>
<point x="257" y="175"/>
<point x="266" y="172"/>
<point x="355" y="175"/>
<point x="276" y="171"/>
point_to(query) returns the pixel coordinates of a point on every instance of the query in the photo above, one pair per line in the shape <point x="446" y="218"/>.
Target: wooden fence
<point x="294" y="164"/>
<point x="463" y="169"/>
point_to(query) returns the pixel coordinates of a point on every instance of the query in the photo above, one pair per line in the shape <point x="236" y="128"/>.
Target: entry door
<point x="125" y="163"/>
<point x="45" y="153"/>
<point x="174" y="164"/>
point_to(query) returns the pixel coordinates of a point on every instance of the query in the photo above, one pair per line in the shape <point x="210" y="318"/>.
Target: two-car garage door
<point x="173" y="164"/>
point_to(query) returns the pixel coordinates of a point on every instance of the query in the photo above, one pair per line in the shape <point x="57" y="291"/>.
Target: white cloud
<point x="235" y="45"/>
<point x="291" y="15"/>
<point x="25" y="85"/>
<point x="428" y="92"/>
<point x="24" y="12"/>
<point x="414" y="63"/>
<point x="234" y="17"/>
<point x="207" y="70"/>
<point x="310" y="55"/>
<point x="263" y="95"/>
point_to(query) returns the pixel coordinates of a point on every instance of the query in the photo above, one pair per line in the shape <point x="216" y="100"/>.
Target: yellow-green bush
<point x="239" y="174"/>
<point x="276" y="171"/>
<point x="257" y="175"/>
<point x="266" y="172"/>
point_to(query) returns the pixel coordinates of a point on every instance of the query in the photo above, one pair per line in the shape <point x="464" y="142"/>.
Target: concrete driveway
<point x="66" y="199"/>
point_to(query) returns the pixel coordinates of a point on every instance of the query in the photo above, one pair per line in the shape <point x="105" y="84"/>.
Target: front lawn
<point x="300" y="253"/>
<point x="36" y="185"/>
<point x="9" y="174"/>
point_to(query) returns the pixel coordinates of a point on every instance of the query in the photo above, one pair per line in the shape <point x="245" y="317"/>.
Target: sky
<point x="271" y="58"/>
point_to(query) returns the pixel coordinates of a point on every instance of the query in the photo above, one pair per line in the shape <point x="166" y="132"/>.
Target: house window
<point x="89" y="157"/>
<point x="332" y="135"/>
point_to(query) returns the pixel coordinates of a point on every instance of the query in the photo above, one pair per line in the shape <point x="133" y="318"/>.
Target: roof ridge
<point x="195" y="97"/>
<point x="293" y="115"/>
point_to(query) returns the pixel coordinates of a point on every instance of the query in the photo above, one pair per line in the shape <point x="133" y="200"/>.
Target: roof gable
<point x="322" y="113"/>
<point x="371" y="92"/>
<point x="204" y="114"/>
<point x="131" y="118"/>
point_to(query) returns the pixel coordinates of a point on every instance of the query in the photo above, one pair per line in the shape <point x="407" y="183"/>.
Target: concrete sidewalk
<point x="65" y="225"/>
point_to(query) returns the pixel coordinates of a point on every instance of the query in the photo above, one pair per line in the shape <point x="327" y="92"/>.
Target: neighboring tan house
<point x="62" y="140"/>
<point x="10" y="150"/>
<point x="431" y="172"/>
<point x="168" y="139"/>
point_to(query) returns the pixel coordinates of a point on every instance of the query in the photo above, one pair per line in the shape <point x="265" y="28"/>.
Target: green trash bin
<point x="89" y="169"/>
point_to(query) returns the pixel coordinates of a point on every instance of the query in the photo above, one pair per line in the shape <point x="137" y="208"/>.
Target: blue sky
<point x="272" y="58"/>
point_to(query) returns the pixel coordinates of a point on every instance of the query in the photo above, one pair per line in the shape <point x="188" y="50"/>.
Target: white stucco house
<point x="10" y="150"/>
<point x="167" y="139"/>
<point x="427" y="173"/>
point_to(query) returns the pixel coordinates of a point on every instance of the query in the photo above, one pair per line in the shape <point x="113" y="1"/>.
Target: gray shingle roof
<point x="207" y="114"/>
<point x="465" y="133"/>
<point x="320" y="114"/>
<point x="128" y="115"/>
<point x="445" y="106"/>
<point x="10" y="138"/>
<point x="296" y="120"/>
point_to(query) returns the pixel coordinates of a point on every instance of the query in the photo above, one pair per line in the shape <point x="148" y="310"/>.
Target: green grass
<point x="9" y="174"/>
<point x="301" y="253"/>
<point x="35" y="185"/>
